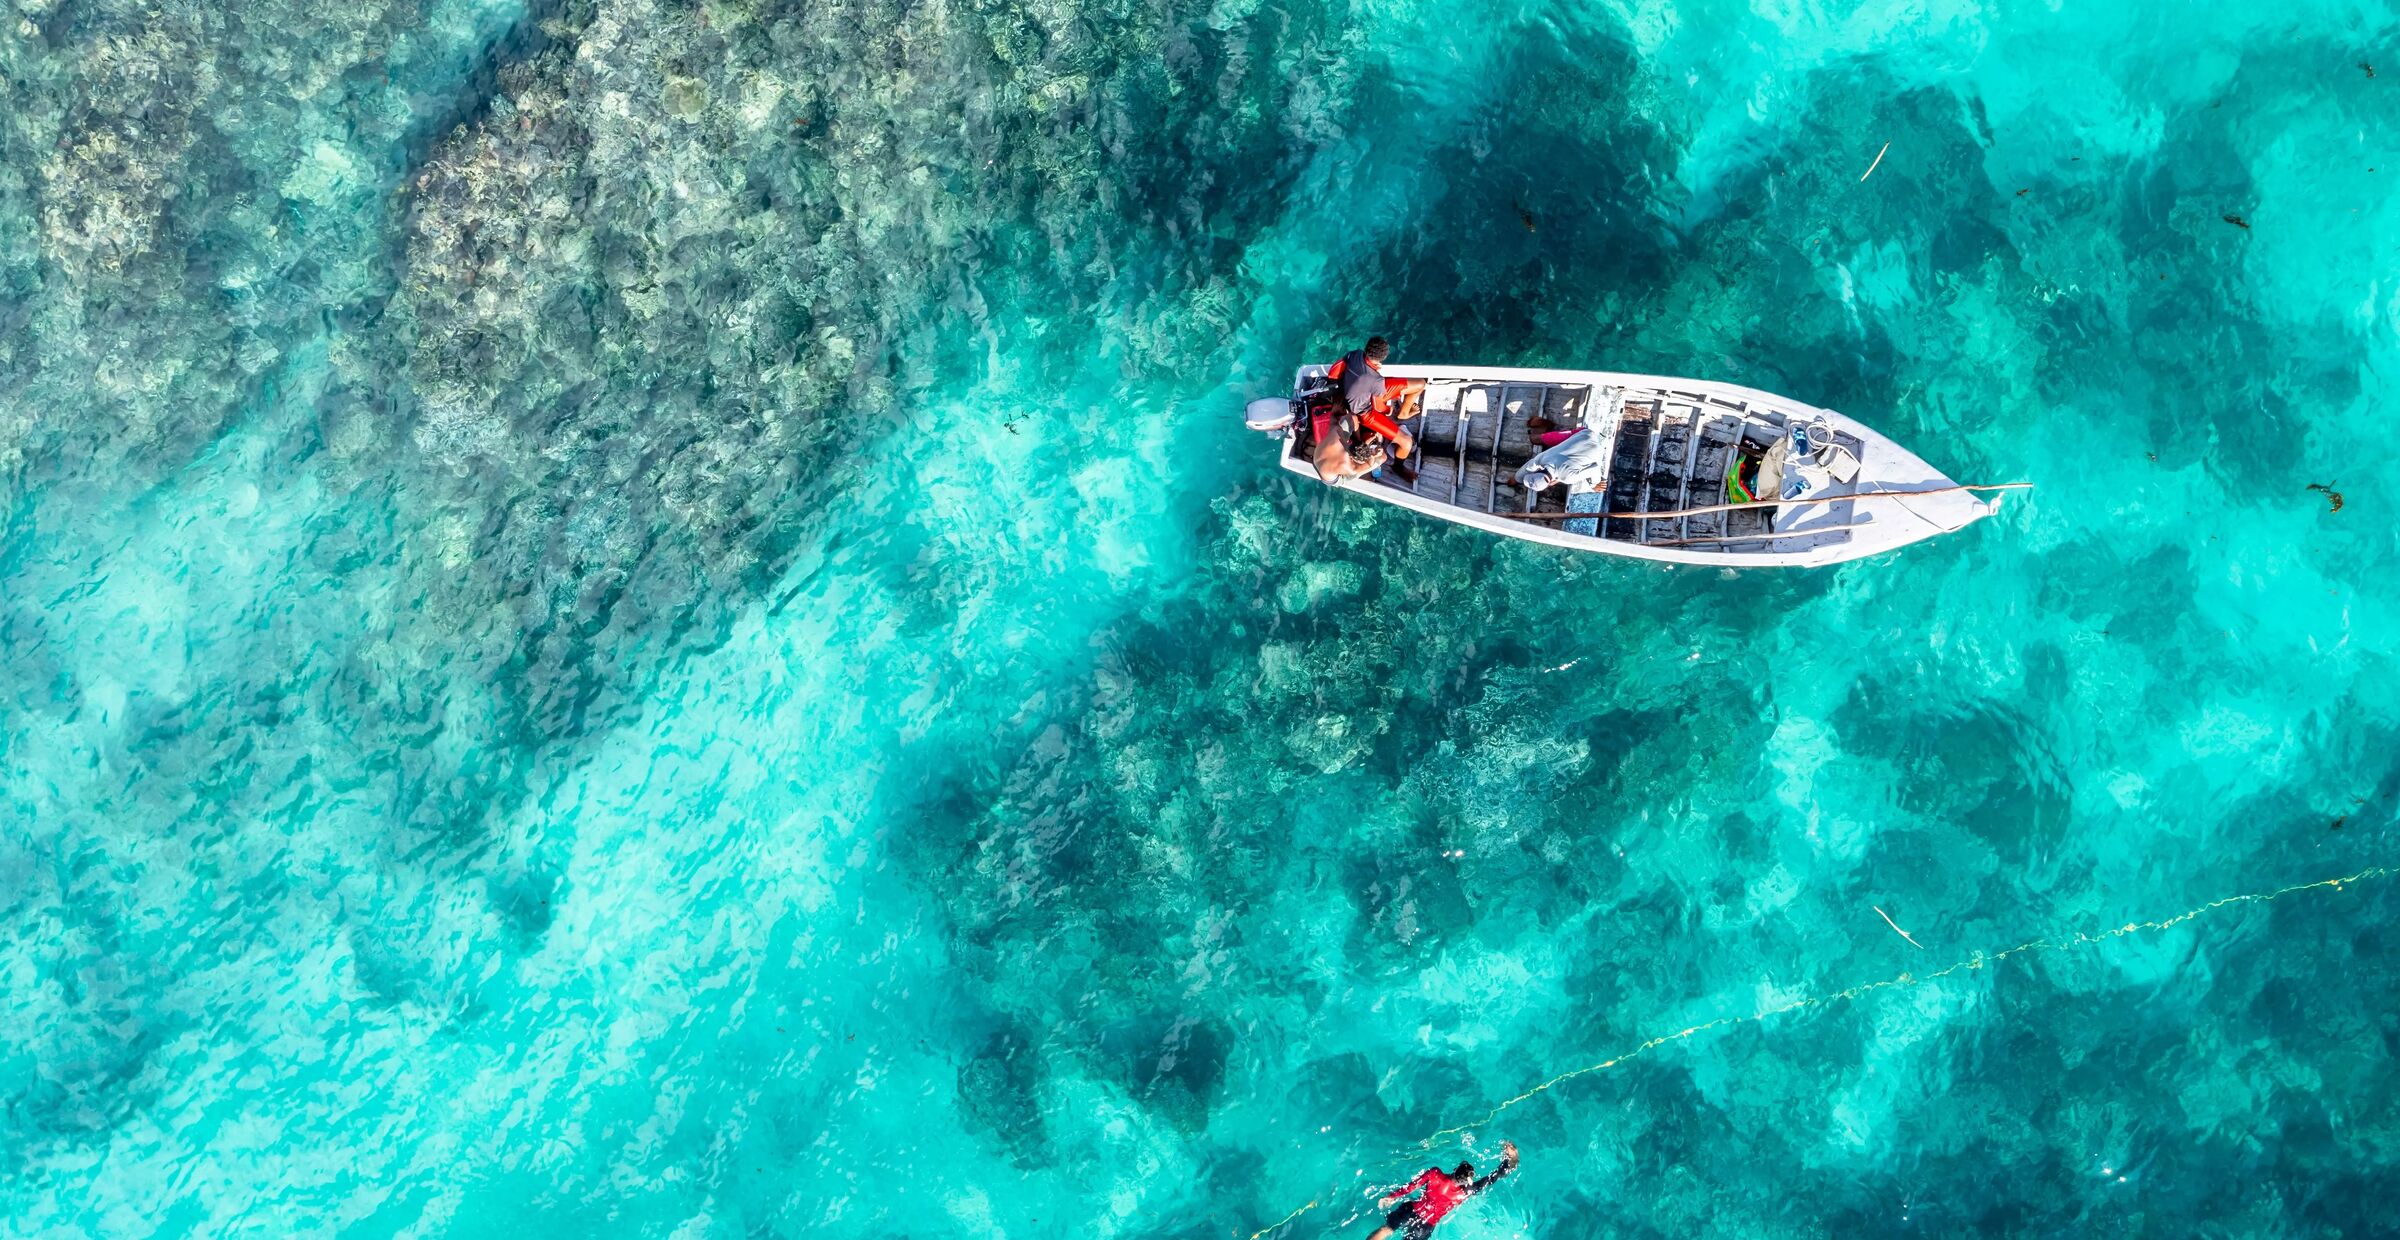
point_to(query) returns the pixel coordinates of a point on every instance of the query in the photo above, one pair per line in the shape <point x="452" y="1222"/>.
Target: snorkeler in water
<point x="1440" y="1193"/>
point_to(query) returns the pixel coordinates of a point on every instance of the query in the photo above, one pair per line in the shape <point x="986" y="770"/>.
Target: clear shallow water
<point x="648" y="620"/>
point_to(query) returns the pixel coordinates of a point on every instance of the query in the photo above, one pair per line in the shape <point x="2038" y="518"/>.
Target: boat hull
<point x="1662" y="449"/>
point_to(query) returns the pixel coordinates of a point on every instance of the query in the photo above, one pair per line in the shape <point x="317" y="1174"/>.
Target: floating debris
<point x="1887" y="920"/>
<point x="1877" y="164"/>
<point x="2333" y="496"/>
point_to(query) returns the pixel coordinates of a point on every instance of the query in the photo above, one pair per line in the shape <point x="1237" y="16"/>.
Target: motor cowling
<point x="1271" y="414"/>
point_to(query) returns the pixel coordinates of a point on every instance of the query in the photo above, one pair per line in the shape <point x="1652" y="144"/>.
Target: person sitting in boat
<point x="1442" y="1191"/>
<point x="1340" y="452"/>
<point x="1379" y="404"/>
<point x="1375" y="407"/>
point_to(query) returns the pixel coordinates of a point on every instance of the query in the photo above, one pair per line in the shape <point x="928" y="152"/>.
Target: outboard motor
<point x="1271" y="415"/>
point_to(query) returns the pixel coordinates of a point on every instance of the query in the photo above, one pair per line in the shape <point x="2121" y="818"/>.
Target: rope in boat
<point x="1979" y="960"/>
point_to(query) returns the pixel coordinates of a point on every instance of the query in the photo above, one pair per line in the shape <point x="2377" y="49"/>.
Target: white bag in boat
<point x="1579" y="460"/>
<point x="1771" y="469"/>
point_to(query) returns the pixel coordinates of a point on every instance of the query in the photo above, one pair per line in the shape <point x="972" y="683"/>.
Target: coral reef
<point x="647" y="618"/>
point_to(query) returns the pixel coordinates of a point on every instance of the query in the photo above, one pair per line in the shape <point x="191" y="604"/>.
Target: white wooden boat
<point x="1673" y="441"/>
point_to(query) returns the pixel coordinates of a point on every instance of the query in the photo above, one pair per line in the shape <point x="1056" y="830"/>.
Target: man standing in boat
<point x="1376" y="406"/>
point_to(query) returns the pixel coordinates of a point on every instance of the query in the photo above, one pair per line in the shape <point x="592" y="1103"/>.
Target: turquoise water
<point x="636" y="619"/>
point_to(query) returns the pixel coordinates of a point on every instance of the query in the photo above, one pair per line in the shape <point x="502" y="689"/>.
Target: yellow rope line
<point x="1284" y="1220"/>
<point x="1976" y="961"/>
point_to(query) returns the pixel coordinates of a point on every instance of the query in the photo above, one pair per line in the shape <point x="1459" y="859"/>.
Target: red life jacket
<point x="1371" y="418"/>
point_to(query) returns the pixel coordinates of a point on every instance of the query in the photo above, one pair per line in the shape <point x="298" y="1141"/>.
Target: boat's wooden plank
<point x="1483" y="470"/>
<point x="1516" y="441"/>
<point x="1629" y="457"/>
<point x="1480" y="401"/>
<point x="1508" y="437"/>
<point x="1718" y="434"/>
<point x="1666" y="442"/>
<point x="1435" y="423"/>
<point x="1517" y="445"/>
<point x="1473" y="398"/>
<point x="1565" y="405"/>
<point x="1548" y="499"/>
<point x="1475" y="483"/>
<point x="1437" y="410"/>
<point x="1509" y="413"/>
<point x="1437" y="474"/>
<point x="1688" y="423"/>
<point x="1514" y="448"/>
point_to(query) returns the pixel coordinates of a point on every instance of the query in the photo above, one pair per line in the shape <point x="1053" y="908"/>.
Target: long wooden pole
<point x="1764" y="503"/>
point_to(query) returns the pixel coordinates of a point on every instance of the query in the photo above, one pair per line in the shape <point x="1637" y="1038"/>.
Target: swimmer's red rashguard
<point x="1442" y="1194"/>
